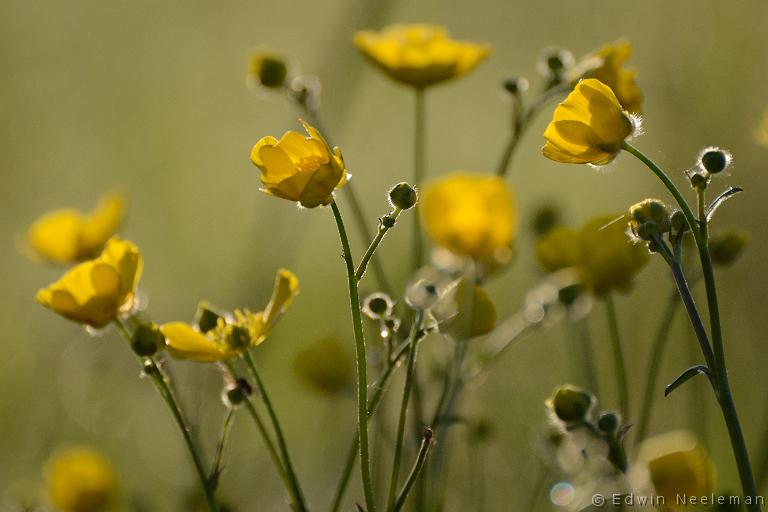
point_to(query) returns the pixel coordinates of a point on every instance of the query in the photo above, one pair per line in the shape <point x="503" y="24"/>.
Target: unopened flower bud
<point x="516" y="85"/>
<point x="377" y="306"/>
<point x="268" y="69"/>
<point x="236" y="393"/>
<point x="678" y="221"/>
<point x="570" y="404"/>
<point x="725" y="248"/>
<point x="699" y="178"/>
<point x="421" y="295"/>
<point x="714" y="160"/>
<point x="403" y="196"/>
<point x="648" y="219"/>
<point x="147" y="340"/>
<point x="608" y="422"/>
<point x="206" y="318"/>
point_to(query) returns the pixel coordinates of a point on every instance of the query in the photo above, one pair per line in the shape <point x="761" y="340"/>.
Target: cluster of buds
<point x="649" y="220"/>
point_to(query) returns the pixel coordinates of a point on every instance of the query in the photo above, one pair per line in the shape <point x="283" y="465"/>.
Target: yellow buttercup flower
<point x="601" y="250"/>
<point x="298" y="168"/>
<point x="677" y="464"/>
<point x="97" y="291"/>
<point x="589" y="127"/>
<point x="419" y="54"/>
<point x="470" y="214"/>
<point x="80" y="479"/>
<point x="607" y="65"/>
<point x="68" y="236"/>
<point x="233" y="333"/>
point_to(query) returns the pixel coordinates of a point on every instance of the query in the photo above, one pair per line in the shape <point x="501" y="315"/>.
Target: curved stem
<point x="361" y="363"/>
<point x="418" y="465"/>
<point x="654" y="365"/>
<point x="153" y="370"/>
<point x="298" y="496"/>
<point x="718" y="367"/>
<point x="351" y="197"/>
<point x="214" y="475"/>
<point x="622" y="381"/>
<point x="375" y="244"/>
<point x="409" y="374"/>
<point x="418" y="172"/>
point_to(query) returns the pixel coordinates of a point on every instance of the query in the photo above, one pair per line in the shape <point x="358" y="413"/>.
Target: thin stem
<point x="718" y="367"/>
<point x="409" y="375"/>
<point x="261" y="427"/>
<point x="373" y="403"/>
<point x="354" y="202"/>
<point x="654" y="365"/>
<point x="622" y="381"/>
<point x="383" y="228"/>
<point x="418" y="465"/>
<point x="153" y="370"/>
<point x="214" y="475"/>
<point x="418" y="171"/>
<point x="360" y="361"/>
<point x="521" y="119"/>
<point x="297" y="494"/>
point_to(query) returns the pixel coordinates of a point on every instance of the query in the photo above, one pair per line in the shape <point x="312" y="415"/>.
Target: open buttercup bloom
<point x="97" y="291"/>
<point x="300" y="168"/>
<point x="469" y="214"/>
<point x="607" y="64"/>
<point x="420" y="55"/>
<point x="233" y="333"/>
<point x="68" y="236"/>
<point x="589" y="127"/>
<point x="601" y="251"/>
<point x="674" y="464"/>
<point x="80" y="479"/>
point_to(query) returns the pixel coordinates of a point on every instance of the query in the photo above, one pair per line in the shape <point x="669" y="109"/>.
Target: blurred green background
<point x="150" y="98"/>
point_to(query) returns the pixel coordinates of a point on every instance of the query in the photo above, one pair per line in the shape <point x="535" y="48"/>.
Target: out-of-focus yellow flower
<point x="69" y="236"/>
<point x="97" y="291"/>
<point x="607" y="65"/>
<point x="464" y="310"/>
<point x="761" y="133"/>
<point x="80" y="479"/>
<point x="326" y="366"/>
<point x="298" y="168"/>
<point x="601" y="250"/>
<point x="470" y="214"/>
<point x="589" y="127"/>
<point x="234" y="333"/>
<point x="677" y="464"/>
<point x="420" y="55"/>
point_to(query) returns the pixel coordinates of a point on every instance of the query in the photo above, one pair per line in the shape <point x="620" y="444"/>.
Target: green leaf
<point x="685" y="376"/>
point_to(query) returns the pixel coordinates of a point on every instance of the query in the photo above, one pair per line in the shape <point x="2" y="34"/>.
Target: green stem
<point x="152" y="369"/>
<point x="654" y="365"/>
<point x="719" y="369"/>
<point x="214" y="475"/>
<point x="354" y="202"/>
<point x="298" y="496"/>
<point x="418" y="172"/>
<point x="622" y="382"/>
<point x="409" y="374"/>
<point x="361" y="363"/>
<point x="375" y="243"/>
<point x="418" y="465"/>
<point x="373" y="403"/>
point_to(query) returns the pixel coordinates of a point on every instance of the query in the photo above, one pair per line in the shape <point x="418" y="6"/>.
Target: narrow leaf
<point x="685" y="376"/>
<point x="714" y="205"/>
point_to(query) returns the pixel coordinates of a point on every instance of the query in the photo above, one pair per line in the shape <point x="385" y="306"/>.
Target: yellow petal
<point x="285" y="290"/>
<point x="56" y="236"/>
<point x="185" y="342"/>
<point x="102" y="223"/>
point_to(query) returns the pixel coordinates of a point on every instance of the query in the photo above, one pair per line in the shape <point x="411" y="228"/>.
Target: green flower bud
<point x="147" y="340"/>
<point x="678" y="222"/>
<point x="268" y="69"/>
<point x="515" y="85"/>
<point x="725" y="248"/>
<point x="699" y="179"/>
<point x="236" y="393"/>
<point x="377" y="306"/>
<point x="403" y="196"/>
<point x="206" y="318"/>
<point x="649" y="218"/>
<point x="608" y="422"/>
<point x="570" y="404"/>
<point x="714" y="160"/>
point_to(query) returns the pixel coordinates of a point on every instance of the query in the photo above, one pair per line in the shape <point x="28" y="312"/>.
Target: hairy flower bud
<point x="648" y="219"/>
<point x="147" y="340"/>
<point x="570" y="404"/>
<point x="403" y="196"/>
<point x="714" y="160"/>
